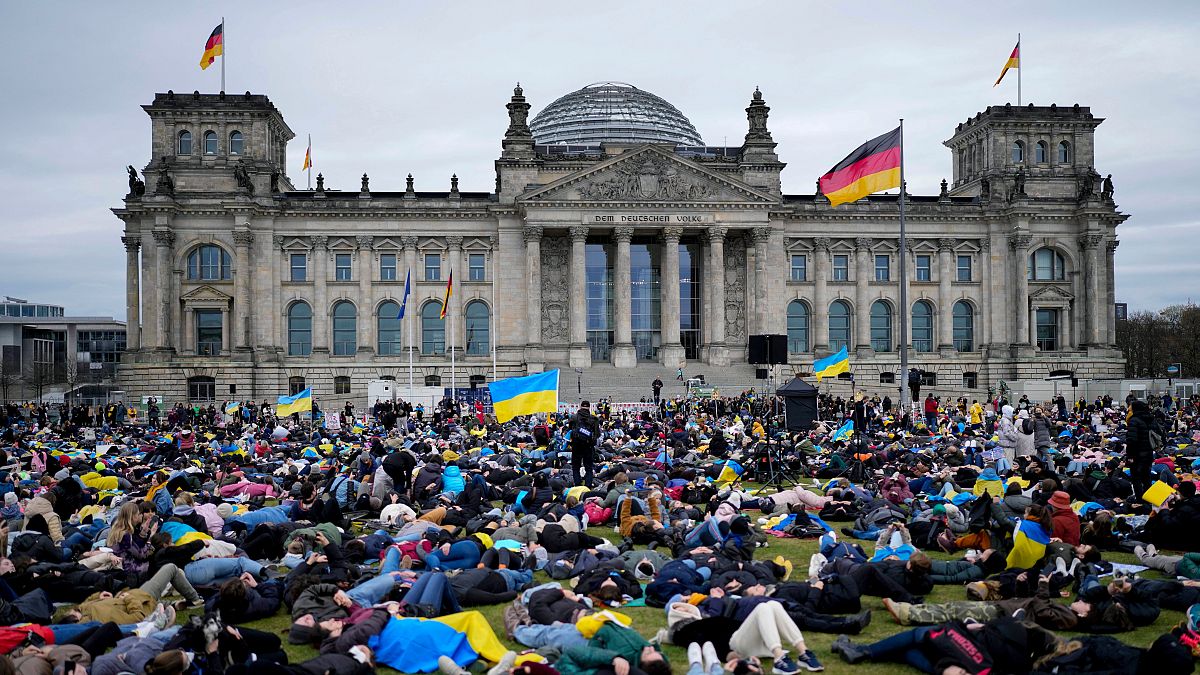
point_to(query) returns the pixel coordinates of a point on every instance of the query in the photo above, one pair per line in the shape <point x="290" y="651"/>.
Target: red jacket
<point x="930" y="405"/>
<point x="1066" y="526"/>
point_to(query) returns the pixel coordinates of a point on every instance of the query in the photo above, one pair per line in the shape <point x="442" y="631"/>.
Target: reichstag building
<point x="614" y="238"/>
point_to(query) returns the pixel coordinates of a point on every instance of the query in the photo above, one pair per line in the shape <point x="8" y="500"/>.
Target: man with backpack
<point x="584" y="431"/>
<point x="1142" y="439"/>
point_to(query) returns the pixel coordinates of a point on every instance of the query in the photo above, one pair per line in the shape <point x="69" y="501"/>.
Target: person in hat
<point x="1066" y="521"/>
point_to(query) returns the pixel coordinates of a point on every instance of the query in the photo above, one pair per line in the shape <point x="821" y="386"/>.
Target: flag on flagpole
<point x="307" y="157"/>
<point x="872" y="167"/>
<point x="288" y="405"/>
<point x="446" y="299"/>
<point x="524" y="395"/>
<point x="214" y="47"/>
<point x="232" y="408"/>
<point x="833" y="365"/>
<point x="1014" y="61"/>
<point x="407" y="289"/>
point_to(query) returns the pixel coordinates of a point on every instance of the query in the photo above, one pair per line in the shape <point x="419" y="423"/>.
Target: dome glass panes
<point x="612" y="112"/>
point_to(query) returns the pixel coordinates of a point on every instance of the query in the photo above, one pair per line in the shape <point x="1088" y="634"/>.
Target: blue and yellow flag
<point x="297" y="403"/>
<point x="525" y="395"/>
<point x="1029" y="545"/>
<point x="233" y="407"/>
<point x="843" y="433"/>
<point x="831" y="366"/>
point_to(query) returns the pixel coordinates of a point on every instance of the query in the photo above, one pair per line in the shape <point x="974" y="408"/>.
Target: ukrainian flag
<point x="290" y="405"/>
<point x="831" y="366"/>
<point x="843" y="433"/>
<point x="232" y="408"/>
<point x="1029" y="545"/>
<point x="525" y="395"/>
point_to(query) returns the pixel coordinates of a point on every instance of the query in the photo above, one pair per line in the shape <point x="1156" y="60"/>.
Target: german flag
<point x="1014" y="61"/>
<point x="874" y="166"/>
<point x="446" y="299"/>
<point x="214" y="47"/>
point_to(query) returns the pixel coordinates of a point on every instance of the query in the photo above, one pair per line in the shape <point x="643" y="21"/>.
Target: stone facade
<point x="241" y="286"/>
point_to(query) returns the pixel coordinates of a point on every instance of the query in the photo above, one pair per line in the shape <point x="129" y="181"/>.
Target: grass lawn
<point x="648" y="620"/>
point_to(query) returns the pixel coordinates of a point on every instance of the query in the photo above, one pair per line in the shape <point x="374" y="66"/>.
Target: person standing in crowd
<point x="657" y="386"/>
<point x="584" y="432"/>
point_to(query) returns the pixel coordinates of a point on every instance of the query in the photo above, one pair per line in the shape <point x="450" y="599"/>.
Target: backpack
<point x="1026" y="427"/>
<point x="1155" y="437"/>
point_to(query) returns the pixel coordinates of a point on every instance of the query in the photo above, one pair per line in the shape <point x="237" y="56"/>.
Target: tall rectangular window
<point x="342" y="266"/>
<point x="433" y="267"/>
<point x="964" y="268"/>
<point x="1047" y="329"/>
<point x="476" y="267"/>
<point x="387" y="267"/>
<point x="299" y="263"/>
<point x="599" y="297"/>
<point x="923" y="273"/>
<point x="883" y="268"/>
<point x="799" y="267"/>
<point x="208" y="332"/>
<point x="841" y="268"/>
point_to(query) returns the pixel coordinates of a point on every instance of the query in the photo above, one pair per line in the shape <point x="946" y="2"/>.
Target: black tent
<point x="799" y="404"/>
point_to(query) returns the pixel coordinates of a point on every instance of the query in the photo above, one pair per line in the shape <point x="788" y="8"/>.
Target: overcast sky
<point x="391" y="88"/>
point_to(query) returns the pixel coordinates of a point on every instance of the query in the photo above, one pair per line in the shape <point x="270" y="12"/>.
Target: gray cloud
<point x="392" y="88"/>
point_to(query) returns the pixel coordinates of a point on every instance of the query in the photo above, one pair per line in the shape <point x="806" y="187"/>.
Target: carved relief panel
<point x="735" y="289"/>
<point x="556" y="308"/>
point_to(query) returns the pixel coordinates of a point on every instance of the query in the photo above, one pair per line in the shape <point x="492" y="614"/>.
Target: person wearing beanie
<point x="1066" y="521"/>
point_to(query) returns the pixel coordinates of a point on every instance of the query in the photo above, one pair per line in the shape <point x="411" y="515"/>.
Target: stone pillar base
<point x="535" y="359"/>
<point x="1022" y="351"/>
<point x="672" y="356"/>
<point x="623" y="356"/>
<point x="718" y="355"/>
<point x="946" y="350"/>
<point x="864" y="351"/>
<point x="580" y="356"/>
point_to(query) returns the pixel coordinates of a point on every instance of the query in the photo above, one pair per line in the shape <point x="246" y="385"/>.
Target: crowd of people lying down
<point x="157" y="549"/>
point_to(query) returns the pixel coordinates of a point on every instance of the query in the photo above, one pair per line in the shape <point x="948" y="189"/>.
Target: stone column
<point x="986" y="296"/>
<point x="1094" y="289"/>
<point x="242" y="279"/>
<point x="455" y="324"/>
<point x="226" y="329"/>
<point x="862" y="311"/>
<point x="189" y="331"/>
<point x="533" y="294"/>
<point x="718" y="352"/>
<point x="672" y="353"/>
<point x="1019" y="245"/>
<point x="133" y="324"/>
<point x="945" y="312"/>
<point x="163" y="239"/>
<point x="412" y="313"/>
<point x="366" y="308"/>
<point x="623" y="354"/>
<point x="580" y="355"/>
<point x="1110" y="319"/>
<point x="820" y="315"/>
<point x="320" y="310"/>
<point x="762" y="239"/>
<point x="149" y="274"/>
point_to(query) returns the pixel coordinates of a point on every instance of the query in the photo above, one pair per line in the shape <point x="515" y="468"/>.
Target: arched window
<point x="1018" y="152"/>
<point x="922" y="326"/>
<point x="964" y="327"/>
<point x="388" y="329"/>
<point x="235" y="143"/>
<point x="209" y="263"/>
<point x="185" y="143"/>
<point x="478" y="320"/>
<point x="345" y="318"/>
<point x="1046" y="265"/>
<point x="1041" y="153"/>
<point x="1064" y="152"/>
<point x="839" y="325"/>
<point x="299" y="328"/>
<point x="210" y="142"/>
<point x="881" y="326"/>
<point x="433" y="329"/>
<point x="797" y="327"/>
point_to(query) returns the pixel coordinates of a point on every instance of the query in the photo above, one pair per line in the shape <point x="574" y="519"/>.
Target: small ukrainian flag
<point x="233" y="407"/>
<point x="525" y="395"/>
<point x="290" y="405"/>
<point x="843" y="433"/>
<point x="831" y="366"/>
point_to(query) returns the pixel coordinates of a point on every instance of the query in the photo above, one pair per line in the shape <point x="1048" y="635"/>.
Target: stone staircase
<point x="631" y="384"/>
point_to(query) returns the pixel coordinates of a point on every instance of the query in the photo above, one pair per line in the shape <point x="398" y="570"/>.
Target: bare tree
<point x="8" y="377"/>
<point x="1152" y="340"/>
<point x="72" y="376"/>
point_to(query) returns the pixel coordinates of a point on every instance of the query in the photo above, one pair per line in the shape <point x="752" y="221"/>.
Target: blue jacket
<point x="452" y="480"/>
<point x="267" y="514"/>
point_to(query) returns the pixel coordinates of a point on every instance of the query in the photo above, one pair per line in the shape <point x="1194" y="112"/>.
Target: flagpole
<point x="224" y="53"/>
<point x="450" y="329"/>
<point x="903" y="284"/>
<point x="492" y="328"/>
<point x="407" y="278"/>
<point x="1020" y="67"/>
<point x="308" y="160"/>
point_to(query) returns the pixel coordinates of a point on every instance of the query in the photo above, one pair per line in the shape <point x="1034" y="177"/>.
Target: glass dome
<point x="612" y="112"/>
